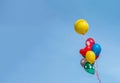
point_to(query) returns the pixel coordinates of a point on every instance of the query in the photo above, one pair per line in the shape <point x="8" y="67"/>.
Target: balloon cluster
<point x="90" y="53"/>
<point x="92" y="50"/>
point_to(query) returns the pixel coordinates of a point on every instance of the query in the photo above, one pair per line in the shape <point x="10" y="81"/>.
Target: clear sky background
<point x="38" y="43"/>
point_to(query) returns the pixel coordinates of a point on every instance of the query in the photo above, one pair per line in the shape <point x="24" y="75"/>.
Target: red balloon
<point x="90" y="42"/>
<point x="84" y="51"/>
<point x="87" y="48"/>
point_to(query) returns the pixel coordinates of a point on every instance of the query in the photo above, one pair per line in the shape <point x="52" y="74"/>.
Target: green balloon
<point x="89" y="68"/>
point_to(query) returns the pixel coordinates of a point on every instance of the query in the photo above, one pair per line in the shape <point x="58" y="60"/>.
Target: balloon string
<point x="97" y="74"/>
<point x="84" y="37"/>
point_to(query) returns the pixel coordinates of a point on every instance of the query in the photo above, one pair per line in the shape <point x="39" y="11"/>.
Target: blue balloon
<point x="96" y="48"/>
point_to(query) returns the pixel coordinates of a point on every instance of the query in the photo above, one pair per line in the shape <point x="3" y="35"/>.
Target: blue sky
<point x="38" y="43"/>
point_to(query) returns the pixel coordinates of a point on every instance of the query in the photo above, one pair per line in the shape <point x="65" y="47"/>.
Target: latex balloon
<point x="89" y="68"/>
<point x="90" y="57"/>
<point x="83" y="51"/>
<point x="81" y="26"/>
<point x="90" y="42"/>
<point x="83" y="61"/>
<point x="96" y="48"/>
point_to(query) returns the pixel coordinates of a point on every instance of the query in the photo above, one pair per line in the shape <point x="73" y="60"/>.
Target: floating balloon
<point x="90" y="57"/>
<point x="90" y="42"/>
<point x="81" y="26"/>
<point x="89" y="68"/>
<point x="83" y="61"/>
<point x="83" y="51"/>
<point x="96" y="48"/>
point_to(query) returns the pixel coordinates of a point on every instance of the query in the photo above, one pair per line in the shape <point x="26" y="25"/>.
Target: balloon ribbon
<point x="97" y="74"/>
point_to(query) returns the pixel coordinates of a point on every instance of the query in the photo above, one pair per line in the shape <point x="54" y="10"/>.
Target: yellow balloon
<point x="81" y="26"/>
<point x="90" y="57"/>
